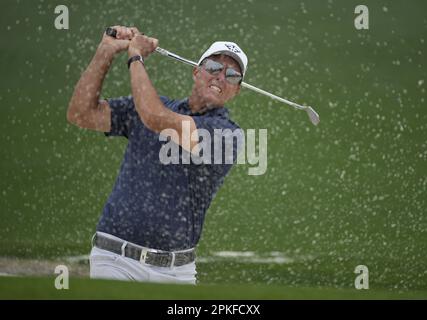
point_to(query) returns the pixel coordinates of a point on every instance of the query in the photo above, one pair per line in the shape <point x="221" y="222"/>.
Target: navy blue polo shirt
<point x="156" y="205"/>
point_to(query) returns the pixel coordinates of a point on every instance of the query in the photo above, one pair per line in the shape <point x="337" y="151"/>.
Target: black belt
<point x="149" y="256"/>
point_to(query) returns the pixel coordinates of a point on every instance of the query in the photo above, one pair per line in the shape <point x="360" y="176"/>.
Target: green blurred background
<point x="350" y="191"/>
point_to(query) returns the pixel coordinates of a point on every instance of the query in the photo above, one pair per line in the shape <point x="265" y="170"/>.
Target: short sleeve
<point x="226" y="140"/>
<point x="124" y="116"/>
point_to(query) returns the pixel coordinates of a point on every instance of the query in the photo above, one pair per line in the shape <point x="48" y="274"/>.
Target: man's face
<point x="215" y="90"/>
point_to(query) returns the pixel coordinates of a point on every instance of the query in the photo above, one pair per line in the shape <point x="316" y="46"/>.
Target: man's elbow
<point x="72" y="114"/>
<point x="70" y="117"/>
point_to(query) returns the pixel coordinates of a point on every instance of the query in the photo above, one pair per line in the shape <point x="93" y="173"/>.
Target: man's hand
<point x="118" y="44"/>
<point x="141" y="44"/>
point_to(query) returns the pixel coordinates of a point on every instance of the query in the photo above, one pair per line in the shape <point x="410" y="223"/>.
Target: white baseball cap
<point x="230" y="49"/>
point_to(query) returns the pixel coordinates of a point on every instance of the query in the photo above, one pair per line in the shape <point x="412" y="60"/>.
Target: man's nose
<point x="221" y="76"/>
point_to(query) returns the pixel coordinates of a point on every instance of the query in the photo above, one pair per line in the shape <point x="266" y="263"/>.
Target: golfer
<point x="153" y="218"/>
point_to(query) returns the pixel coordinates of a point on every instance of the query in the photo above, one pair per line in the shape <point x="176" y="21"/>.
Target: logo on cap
<point x="232" y="48"/>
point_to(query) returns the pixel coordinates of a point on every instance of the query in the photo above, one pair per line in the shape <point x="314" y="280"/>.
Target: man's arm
<point x="85" y="109"/>
<point x="150" y="108"/>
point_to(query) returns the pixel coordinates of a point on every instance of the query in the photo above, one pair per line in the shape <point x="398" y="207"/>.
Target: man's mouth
<point x="215" y="88"/>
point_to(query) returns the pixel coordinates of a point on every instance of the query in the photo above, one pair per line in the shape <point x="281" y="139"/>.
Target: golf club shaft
<point x="169" y="54"/>
<point x="314" y="117"/>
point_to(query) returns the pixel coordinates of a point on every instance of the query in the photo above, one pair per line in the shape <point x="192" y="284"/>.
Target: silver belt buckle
<point x="123" y="248"/>
<point x="143" y="256"/>
<point x="173" y="260"/>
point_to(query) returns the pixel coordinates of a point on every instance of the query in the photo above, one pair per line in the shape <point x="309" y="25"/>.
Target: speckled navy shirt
<point x="156" y="205"/>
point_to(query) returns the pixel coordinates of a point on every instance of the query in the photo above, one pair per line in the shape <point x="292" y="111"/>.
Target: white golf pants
<point x="109" y="265"/>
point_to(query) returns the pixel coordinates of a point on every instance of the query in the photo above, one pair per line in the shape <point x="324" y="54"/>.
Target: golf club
<point x="314" y="117"/>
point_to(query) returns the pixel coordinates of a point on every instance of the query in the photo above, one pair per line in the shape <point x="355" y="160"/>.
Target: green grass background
<point x="350" y="191"/>
<point x="44" y="288"/>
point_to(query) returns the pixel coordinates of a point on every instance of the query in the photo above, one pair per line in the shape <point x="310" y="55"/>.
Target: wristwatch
<point x="135" y="58"/>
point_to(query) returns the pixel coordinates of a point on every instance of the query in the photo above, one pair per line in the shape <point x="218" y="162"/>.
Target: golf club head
<point x="314" y="117"/>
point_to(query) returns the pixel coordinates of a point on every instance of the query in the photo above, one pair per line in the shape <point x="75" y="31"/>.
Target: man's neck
<point x="198" y="105"/>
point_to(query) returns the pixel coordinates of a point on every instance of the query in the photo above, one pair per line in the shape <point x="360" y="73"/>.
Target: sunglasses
<point x="215" y="68"/>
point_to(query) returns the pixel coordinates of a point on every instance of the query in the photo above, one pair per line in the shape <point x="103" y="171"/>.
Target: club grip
<point x="111" y="32"/>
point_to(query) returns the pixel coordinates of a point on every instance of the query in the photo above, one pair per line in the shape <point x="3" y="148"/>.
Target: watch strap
<point x="135" y="58"/>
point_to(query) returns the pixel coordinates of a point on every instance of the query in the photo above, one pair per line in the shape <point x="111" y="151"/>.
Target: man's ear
<point x="195" y="72"/>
